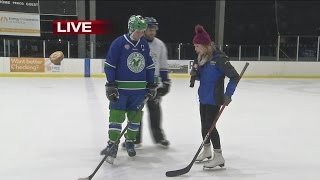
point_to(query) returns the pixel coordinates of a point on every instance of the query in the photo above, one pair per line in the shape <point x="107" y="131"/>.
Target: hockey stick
<point x="187" y="169"/>
<point x="140" y="107"/>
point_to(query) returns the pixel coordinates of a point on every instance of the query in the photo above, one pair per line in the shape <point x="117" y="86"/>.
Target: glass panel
<point x="101" y="50"/>
<point x="173" y="50"/>
<point x="1" y="48"/>
<point x="88" y="50"/>
<point x="12" y="48"/>
<point x="187" y="52"/>
<point x="308" y="48"/>
<point x="73" y="49"/>
<point x="249" y="53"/>
<point x="288" y="48"/>
<point x="56" y="45"/>
<point x="31" y="48"/>
<point x="268" y="53"/>
<point x="232" y="51"/>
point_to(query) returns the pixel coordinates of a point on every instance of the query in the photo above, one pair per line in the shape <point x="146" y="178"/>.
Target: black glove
<point x="151" y="90"/>
<point x="112" y="92"/>
<point x="162" y="91"/>
<point x="227" y="100"/>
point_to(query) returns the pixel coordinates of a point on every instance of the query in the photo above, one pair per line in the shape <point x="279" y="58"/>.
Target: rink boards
<point x="71" y="67"/>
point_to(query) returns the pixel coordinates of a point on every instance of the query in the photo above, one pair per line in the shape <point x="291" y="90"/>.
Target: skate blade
<point x="132" y="154"/>
<point x="110" y="160"/>
<point x="210" y="168"/>
<point x="138" y="147"/>
<point x="203" y="161"/>
<point x="163" y="146"/>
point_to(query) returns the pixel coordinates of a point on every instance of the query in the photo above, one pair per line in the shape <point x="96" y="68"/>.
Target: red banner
<point x="81" y="27"/>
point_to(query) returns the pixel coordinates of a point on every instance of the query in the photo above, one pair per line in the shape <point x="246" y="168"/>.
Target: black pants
<point x="208" y="114"/>
<point x="155" y="117"/>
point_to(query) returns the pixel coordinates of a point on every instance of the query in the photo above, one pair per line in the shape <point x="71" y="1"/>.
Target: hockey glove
<point x="112" y="92"/>
<point x="162" y="91"/>
<point x="227" y="100"/>
<point x="151" y="90"/>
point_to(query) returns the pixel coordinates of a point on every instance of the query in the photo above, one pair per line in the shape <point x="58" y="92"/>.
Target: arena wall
<point x="42" y="67"/>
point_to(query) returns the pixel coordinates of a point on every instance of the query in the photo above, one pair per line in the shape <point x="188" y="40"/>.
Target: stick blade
<point x="178" y="172"/>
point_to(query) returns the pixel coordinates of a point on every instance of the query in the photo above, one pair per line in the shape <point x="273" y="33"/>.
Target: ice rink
<point x="55" y="128"/>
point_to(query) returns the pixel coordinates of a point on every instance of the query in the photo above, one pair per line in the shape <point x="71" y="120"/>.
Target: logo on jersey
<point x="127" y="46"/>
<point x="136" y="62"/>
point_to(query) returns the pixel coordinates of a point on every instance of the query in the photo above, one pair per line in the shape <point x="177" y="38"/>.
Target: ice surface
<point x="55" y="128"/>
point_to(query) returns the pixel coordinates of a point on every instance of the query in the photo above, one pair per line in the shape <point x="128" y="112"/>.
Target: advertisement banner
<point x="19" y="24"/>
<point x="179" y="66"/>
<point x="19" y="17"/>
<point x="25" y="6"/>
<point x="53" y="68"/>
<point x="27" y="65"/>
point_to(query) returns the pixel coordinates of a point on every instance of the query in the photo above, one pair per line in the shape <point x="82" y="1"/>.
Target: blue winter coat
<point x="211" y="76"/>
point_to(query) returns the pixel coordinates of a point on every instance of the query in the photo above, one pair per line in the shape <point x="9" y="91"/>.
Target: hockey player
<point x="160" y="56"/>
<point x="212" y="67"/>
<point x="130" y="78"/>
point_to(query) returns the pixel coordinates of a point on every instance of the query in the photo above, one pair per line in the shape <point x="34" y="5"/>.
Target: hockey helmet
<point x="136" y="22"/>
<point x="152" y="22"/>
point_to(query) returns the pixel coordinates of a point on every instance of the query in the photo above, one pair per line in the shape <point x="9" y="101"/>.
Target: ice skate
<point x="137" y="146"/>
<point x="206" y="154"/>
<point x="110" y="160"/>
<point x="218" y="160"/>
<point x="130" y="148"/>
<point x="163" y="143"/>
<point x="111" y="153"/>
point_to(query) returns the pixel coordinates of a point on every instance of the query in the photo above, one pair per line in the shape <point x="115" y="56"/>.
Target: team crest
<point x="136" y="62"/>
<point x="127" y="46"/>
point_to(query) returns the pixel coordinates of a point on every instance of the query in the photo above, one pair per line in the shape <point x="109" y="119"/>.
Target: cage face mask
<point x="136" y="23"/>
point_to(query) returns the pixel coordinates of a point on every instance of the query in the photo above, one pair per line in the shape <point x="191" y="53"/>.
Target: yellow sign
<point x="27" y="64"/>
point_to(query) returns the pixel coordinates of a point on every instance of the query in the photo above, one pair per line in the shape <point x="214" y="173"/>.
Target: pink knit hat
<point x="201" y="37"/>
